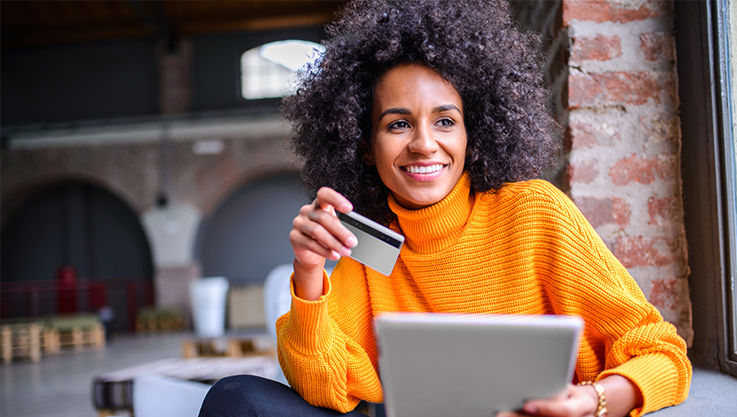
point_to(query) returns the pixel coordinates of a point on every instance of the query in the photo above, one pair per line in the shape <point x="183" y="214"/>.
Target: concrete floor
<point x="60" y="385"/>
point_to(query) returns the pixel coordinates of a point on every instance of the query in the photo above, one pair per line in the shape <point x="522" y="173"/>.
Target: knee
<point x="231" y="395"/>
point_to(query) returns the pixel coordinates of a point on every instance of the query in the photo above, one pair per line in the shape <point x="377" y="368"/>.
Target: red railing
<point x="38" y="298"/>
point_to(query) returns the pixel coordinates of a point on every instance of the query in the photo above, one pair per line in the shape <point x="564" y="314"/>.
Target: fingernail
<point x="530" y="409"/>
<point x="345" y="252"/>
<point x="346" y="208"/>
<point x="352" y="242"/>
<point x="335" y="256"/>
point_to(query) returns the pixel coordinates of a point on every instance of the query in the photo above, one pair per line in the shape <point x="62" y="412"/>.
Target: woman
<point x="428" y="116"/>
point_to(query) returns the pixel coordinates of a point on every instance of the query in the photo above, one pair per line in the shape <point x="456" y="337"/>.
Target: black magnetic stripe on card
<point x="370" y="230"/>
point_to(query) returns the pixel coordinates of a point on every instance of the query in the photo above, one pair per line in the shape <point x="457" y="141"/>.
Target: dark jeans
<point x="248" y="395"/>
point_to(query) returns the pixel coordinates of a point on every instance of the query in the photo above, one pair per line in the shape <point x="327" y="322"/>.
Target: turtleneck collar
<point x="438" y="226"/>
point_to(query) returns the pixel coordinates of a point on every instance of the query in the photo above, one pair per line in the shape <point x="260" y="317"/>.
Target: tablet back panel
<point x="462" y="365"/>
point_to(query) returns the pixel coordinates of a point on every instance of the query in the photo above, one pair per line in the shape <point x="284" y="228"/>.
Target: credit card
<point x="378" y="246"/>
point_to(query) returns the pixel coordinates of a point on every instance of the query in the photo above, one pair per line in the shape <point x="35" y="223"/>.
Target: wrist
<point x="308" y="281"/>
<point x="599" y="396"/>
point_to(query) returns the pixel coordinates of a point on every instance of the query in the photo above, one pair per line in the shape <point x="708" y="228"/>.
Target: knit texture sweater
<point x="524" y="249"/>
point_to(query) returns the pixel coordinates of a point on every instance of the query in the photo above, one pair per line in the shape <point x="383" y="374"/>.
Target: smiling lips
<point x="417" y="169"/>
<point x="424" y="172"/>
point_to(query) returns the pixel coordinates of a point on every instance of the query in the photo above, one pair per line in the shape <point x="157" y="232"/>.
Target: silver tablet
<point x="378" y="246"/>
<point x="472" y="365"/>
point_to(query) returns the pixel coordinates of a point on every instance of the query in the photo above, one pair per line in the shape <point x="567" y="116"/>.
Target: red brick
<point x="602" y="211"/>
<point x="598" y="211"/>
<point x="641" y="252"/>
<point x="598" y="48"/>
<point x="660" y="210"/>
<point x="585" y="136"/>
<point x="662" y="127"/>
<point x="175" y="78"/>
<point x="657" y="46"/>
<point x="611" y="11"/>
<point x="621" y="211"/>
<point x="637" y="87"/>
<point x="582" y="135"/>
<point x="584" y="173"/>
<point x="665" y="293"/>
<point x="636" y="169"/>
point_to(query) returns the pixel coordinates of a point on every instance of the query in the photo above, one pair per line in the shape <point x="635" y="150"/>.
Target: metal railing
<point x="36" y="299"/>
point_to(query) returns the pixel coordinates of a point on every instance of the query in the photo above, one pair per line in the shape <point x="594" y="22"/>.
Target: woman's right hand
<point x="317" y="235"/>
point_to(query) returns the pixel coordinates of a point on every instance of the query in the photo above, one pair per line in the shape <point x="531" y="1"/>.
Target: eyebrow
<point x="402" y="110"/>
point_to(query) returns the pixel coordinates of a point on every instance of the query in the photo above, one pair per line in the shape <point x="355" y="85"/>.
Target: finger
<point x="327" y="197"/>
<point x="322" y="227"/>
<point x="335" y="227"/>
<point x="511" y="414"/>
<point x="300" y="241"/>
<point x="572" y="406"/>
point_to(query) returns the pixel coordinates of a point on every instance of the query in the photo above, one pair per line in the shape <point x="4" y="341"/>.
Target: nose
<point x="423" y="141"/>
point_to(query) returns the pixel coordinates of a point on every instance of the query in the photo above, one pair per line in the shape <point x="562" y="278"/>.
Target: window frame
<point x="707" y="174"/>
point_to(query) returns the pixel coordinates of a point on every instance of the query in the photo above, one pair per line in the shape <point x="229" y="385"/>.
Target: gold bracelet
<point x="601" y="410"/>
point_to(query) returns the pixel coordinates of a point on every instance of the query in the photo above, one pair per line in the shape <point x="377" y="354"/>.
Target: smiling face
<point x="418" y="141"/>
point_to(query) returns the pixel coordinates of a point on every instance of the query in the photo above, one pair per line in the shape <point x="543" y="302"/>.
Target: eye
<point x="399" y="124"/>
<point x="446" y="122"/>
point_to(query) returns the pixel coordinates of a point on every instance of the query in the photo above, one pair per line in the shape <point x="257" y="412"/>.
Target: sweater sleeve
<point x="325" y="347"/>
<point x="625" y="334"/>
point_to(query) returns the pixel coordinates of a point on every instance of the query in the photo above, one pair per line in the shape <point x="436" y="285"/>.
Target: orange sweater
<point x="525" y="249"/>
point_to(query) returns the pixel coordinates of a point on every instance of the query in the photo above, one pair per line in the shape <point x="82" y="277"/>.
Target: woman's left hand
<point x="575" y="401"/>
<point x="582" y="400"/>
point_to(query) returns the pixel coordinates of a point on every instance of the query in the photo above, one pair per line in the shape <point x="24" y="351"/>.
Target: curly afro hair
<point x="473" y="44"/>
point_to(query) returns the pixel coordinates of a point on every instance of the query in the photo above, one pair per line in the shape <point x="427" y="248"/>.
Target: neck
<point x="438" y="226"/>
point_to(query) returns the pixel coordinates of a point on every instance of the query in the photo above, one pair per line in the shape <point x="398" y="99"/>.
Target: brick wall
<point x="175" y="77"/>
<point x="624" y="170"/>
<point x="133" y="172"/>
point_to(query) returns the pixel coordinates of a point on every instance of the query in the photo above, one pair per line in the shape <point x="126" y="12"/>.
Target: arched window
<point x="270" y="70"/>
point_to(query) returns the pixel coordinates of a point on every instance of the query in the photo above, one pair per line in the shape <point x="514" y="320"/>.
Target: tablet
<point x="472" y="365"/>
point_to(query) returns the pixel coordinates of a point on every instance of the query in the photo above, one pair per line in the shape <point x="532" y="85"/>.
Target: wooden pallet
<point x="159" y="320"/>
<point x="78" y="338"/>
<point x="235" y="347"/>
<point x="50" y="341"/>
<point x="78" y="332"/>
<point x="21" y="341"/>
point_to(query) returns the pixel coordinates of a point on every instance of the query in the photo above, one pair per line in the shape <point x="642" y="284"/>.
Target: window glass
<point x="271" y="70"/>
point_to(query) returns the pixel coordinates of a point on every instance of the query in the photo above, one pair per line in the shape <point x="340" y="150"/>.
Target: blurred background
<point x="142" y="149"/>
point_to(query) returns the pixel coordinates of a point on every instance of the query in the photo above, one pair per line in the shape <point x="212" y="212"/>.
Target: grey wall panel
<point x="248" y="234"/>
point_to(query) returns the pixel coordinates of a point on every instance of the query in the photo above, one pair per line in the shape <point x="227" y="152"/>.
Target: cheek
<point x="382" y="155"/>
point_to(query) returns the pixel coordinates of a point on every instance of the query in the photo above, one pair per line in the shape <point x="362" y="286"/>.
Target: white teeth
<point x="423" y="169"/>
